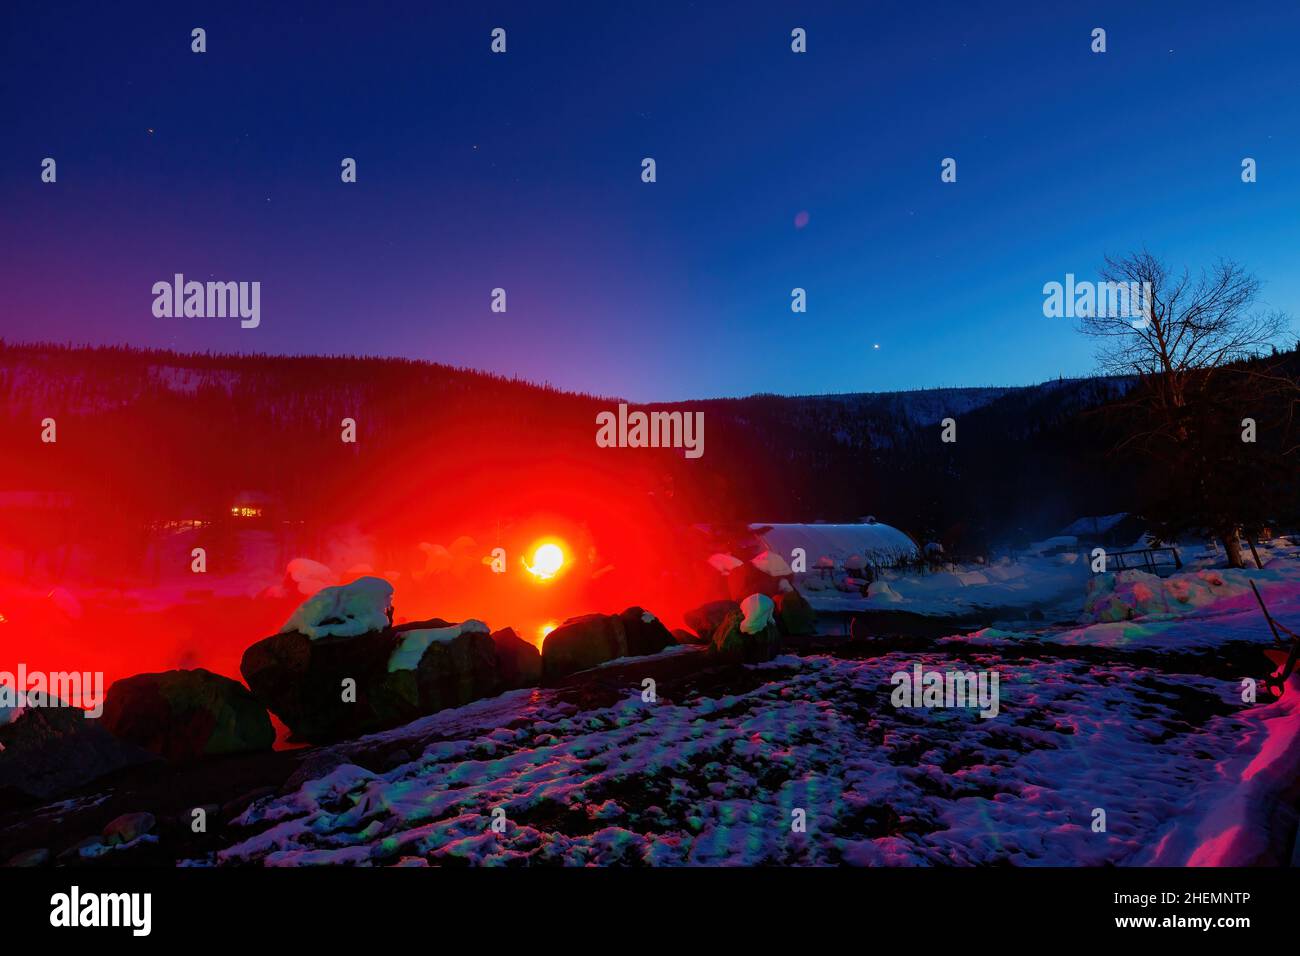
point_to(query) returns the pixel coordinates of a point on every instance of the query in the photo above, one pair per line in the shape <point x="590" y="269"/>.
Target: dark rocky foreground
<point x="633" y="745"/>
<point x="826" y="715"/>
<point x="40" y="833"/>
<point x="179" y="755"/>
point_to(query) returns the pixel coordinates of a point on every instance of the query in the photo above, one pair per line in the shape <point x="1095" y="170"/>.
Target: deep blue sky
<point x="523" y="171"/>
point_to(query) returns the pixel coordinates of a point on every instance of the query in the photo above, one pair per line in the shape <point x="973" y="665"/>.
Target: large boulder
<point x="336" y="687"/>
<point x="704" y="620"/>
<point x="580" y="643"/>
<point x="646" y="634"/>
<point x="184" y="714"/>
<point x="327" y="681"/>
<point x="47" y="751"/>
<point x="302" y="681"/>
<point x="749" y="634"/>
<point x="453" y="664"/>
<point x="519" y="662"/>
<point x="794" y="615"/>
<point x="347" y="610"/>
<point x="584" y="642"/>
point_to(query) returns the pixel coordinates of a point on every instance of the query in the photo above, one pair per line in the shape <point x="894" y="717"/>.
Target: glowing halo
<point x="547" y="561"/>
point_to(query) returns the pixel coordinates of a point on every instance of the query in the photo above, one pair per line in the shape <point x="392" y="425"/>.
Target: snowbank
<point x="1233" y="821"/>
<point x="1196" y="611"/>
<point x="1126" y="595"/>
<point x="1042" y="583"/>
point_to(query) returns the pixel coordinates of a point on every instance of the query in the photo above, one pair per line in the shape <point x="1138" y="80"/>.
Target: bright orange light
<point x="547" y="561"/>
<point x="544" y="630"/>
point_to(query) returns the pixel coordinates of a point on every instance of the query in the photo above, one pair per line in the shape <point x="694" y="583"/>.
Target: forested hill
<point x="148" y="435"/>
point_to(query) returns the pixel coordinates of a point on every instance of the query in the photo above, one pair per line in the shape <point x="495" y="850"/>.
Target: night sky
<point x="523" y="171"/>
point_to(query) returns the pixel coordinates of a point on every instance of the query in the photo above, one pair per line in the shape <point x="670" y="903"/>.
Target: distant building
<point x="251" y="505"/>
<point x="1119" y="530"/>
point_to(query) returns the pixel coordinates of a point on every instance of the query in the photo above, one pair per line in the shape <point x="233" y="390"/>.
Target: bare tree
<point x="1185" y="325"/>
<point x="1184" y="340"/>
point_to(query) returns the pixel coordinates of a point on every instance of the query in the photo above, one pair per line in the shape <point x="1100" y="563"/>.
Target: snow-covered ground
<point x="1104" y="750"/>
<point x="1050" y="584"/>
<point x="718" y="780"/>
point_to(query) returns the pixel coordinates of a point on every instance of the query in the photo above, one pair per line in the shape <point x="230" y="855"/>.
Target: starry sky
<point x="523" y="171"/>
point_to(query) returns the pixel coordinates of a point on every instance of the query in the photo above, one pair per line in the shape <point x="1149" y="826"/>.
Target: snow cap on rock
<point x="772" y="563"/>
<point x="346" y="610"/>
<point x="724" y="563"/>
<point x="757" y="609"/>
<point x="407" y="655"/>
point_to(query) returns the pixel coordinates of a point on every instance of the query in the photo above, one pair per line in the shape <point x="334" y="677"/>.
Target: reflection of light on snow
<point x="547" y="561"/>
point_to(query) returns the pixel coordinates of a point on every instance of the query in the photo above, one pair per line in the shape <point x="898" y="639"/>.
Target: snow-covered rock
<point x="704" y="620"/>
<point x="412" y="645"/>
<point x="584" y="642"/>
<point x="769" y="562"/>
<point x="724" y="563"/>
<point x="757" y="610"/>
<point x="749" y="634"/>
<point x="346" y="610"/>
<point x="331" y="687"/>
<point x="1126" y="595"/>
